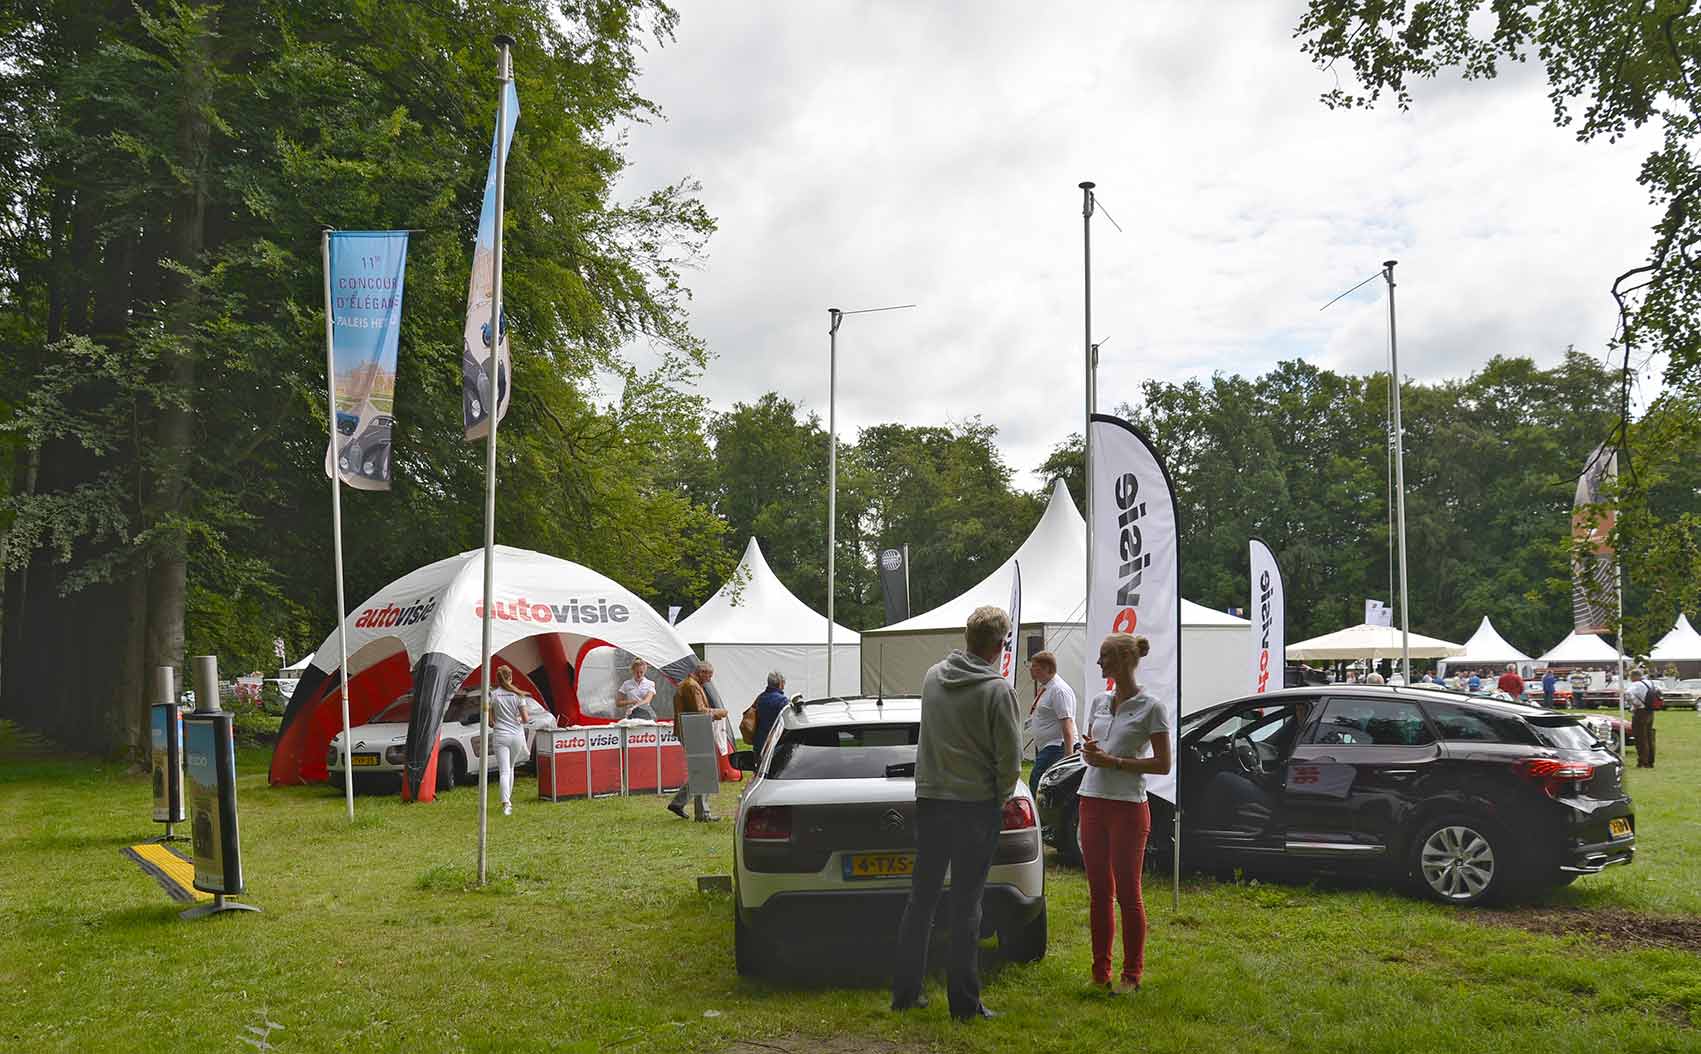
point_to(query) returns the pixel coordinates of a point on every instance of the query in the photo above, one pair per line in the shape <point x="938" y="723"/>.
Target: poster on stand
<point x="216" y="847"/>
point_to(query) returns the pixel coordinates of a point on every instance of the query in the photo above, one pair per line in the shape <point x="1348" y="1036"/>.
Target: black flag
<point x="895" y="582"/>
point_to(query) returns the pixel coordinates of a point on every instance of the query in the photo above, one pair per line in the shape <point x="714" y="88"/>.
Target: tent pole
<point x="337" y="525"/>
<point x="493" y="412"/>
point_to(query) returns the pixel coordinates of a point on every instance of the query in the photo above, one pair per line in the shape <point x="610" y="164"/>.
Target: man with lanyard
<point x="1051" y="717"/>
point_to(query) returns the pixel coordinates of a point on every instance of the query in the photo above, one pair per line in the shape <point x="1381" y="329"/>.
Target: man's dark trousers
<point x="964" y="835"/>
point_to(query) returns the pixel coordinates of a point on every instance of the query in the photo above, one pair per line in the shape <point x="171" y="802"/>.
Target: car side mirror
<point x="744" y="760"/>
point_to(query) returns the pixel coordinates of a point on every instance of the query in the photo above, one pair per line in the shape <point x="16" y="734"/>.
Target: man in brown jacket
<point x="691" y="699"/>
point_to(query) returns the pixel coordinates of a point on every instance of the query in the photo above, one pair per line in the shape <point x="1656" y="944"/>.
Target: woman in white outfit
<point x="507" y="719"/>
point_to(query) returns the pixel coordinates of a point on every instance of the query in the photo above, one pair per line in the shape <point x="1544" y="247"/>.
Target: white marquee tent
<point x="755" y="624"/>
<point x="1487" y="648"/>
<point x="1581" y="649"/>
<point x="1681" y="645"/>
<point x="1215" y="647"/>
<point x="1366" y="641"/>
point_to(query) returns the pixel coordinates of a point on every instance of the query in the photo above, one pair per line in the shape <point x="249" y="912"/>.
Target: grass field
<point x="592" y="937"/>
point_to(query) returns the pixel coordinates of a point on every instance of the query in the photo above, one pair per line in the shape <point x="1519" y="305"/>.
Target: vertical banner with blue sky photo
<point x="366" y="319"/>
<point x="476" y="338"/>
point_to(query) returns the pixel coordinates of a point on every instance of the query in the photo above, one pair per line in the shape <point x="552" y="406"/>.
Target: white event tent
<point x="1581" y="649"/>
<point x="1680" y="647"/>
<point x="754" y="624"/>
<point x="1366" y="641"/>
<point x="1216" y="661"/>
<point x="1487" y="649"/>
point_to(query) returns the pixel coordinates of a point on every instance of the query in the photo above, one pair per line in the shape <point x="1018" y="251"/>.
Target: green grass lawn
<point x="593" y="937"/>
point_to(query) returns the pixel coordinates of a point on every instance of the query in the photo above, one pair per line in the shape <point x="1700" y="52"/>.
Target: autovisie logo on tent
<point x="391" y="615"/>
<point x="581" y="612"/>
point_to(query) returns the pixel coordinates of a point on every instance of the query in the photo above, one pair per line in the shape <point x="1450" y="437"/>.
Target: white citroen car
<point x="824" y="839"/>
<point x="380" y="745"/>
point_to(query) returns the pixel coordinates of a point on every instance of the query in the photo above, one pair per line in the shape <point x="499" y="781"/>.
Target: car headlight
<point x="396" y="755"/>
<point x="333" y="756"/>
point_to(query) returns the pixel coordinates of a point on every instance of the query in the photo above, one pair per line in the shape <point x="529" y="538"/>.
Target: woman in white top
<point x="507" y="718"/>
<point x="1127" y="736"/>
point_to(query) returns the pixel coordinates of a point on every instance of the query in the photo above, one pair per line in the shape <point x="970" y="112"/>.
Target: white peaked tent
<point x="755" y="624"/>
<point x="1366" y="641"/>
<point x="1681" y="645"/>
<point x="1486" y="649"/>
<point x="1214" y="645"/>
<point x="1581" y="649"/>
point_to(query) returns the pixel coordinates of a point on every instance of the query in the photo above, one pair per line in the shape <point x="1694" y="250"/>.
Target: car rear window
<point x="843" y="752"/>
<point x="1565" y="733"/>
<point x="1479" y="726"/>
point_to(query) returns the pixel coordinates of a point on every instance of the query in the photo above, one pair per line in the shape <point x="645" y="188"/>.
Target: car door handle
<point x="1399" y="774"/>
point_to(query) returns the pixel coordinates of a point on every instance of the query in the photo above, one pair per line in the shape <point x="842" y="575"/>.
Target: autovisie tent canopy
<point x="424" y="632"/>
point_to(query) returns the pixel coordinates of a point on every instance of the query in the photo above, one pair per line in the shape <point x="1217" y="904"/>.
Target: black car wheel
<point x="1459" y="860"/>
<point x="1024" y="942"/>
<point x="745" y="957"/>
<point x="1069" y="833"/>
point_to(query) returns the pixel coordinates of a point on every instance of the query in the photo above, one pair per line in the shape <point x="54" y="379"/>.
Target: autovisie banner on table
<point x="1136" y="586"/>
<point x="210" y="748"/>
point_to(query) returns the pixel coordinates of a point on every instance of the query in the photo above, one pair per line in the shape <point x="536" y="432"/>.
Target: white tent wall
<point x="1215" y="660"/>
<point x="741" y="670"/>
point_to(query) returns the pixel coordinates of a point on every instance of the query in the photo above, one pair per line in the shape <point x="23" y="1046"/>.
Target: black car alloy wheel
<point x="1457" y="861"/>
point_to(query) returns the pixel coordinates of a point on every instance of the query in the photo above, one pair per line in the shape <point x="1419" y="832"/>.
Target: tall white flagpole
<point x="337" y="524"/>
<point x="1399" y="479"/>
<point x="505" y="74"/>
<point x="834" y="316"/>
<point x="1093" y="684"/>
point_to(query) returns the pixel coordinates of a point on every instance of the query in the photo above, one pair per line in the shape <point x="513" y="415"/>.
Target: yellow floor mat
<point x="172" y="870"/>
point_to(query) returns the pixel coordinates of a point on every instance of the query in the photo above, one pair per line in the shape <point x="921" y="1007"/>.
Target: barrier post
<point x="210" y="745"/>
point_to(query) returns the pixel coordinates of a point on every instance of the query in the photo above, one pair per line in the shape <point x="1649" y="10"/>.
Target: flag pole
<point x="337" y="523"/>
<point x="1085" y="702"/>
<point x="492" y="410"/>
<point x="834" y="317"/>
<point x="1399" y="478"/>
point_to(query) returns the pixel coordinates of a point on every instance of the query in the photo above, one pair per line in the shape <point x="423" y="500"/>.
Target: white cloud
<point x="861" y="154"/>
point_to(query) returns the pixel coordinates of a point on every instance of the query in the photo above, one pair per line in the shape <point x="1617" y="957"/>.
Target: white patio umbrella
<point x="1370" y="642"/>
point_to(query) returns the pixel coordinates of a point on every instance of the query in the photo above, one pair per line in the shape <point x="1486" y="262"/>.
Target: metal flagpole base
<point x="201" y="911"/>
<point x="168" y="836"/>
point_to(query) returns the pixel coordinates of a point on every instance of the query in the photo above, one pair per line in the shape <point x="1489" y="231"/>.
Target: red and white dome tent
<point x="423" y="631"/>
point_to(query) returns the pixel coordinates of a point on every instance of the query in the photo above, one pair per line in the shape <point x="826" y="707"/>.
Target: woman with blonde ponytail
<point x="1127" y="736"/>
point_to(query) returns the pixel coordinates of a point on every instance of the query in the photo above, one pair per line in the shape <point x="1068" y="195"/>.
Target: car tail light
<point x="768" y="823"/>
<point x="1019" y="815"/>
<point x="1552" y="773"/>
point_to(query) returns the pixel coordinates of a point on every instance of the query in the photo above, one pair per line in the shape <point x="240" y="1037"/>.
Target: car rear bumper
<point x="1593" y="859"/>
<point x="873" y="915"/>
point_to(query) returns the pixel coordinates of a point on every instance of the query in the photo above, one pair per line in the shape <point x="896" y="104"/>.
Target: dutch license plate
<point x="365" y="759"/>
<point x="878" y="865"/>
<point x="1619" y="827"/>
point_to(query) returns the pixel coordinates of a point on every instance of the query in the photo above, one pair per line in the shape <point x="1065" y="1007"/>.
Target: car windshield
<point x="460" y="708"/>
<point x="1566" y="733"/>
<point x="843" y="752"/>
<point x="1191" y="721"/>
<point x="396" y="713"/>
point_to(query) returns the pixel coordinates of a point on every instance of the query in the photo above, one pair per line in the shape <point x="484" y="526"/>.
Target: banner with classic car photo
<point x="1136" y="586"/>
<point x="1594" y="563"/>
<point x="1269" y="620"/>
<point x="476" y="338"/>
<point x="367" y="269"/>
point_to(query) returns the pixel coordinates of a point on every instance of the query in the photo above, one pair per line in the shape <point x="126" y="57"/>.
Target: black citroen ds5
<point x="1463" y="797"/>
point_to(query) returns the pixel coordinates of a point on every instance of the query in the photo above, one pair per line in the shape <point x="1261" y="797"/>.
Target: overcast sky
<point x="863" y="154"/>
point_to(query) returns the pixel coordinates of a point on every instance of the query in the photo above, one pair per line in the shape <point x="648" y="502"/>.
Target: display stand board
<point x="643" y="757"/>
<point x="210" y="746"/>
<point x="563" y="764"/>
<point x="702" y="760"/>
<point x="604" y="744"/>
<point x="169" y="806"/>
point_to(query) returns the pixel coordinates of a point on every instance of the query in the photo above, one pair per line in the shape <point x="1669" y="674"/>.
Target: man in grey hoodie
<point x="967" y="762"/>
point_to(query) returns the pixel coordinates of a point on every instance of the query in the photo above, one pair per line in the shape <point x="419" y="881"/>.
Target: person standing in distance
<point x="1052" y="716"/>
<point x="691" y="699"/>
<point x="1511" y="683"/>
<point x="1641" y="718"/>
<point x="636" y="693"/>
<point x="506" y="716"/>
<point x="1127" y="737"/>
<point x="1549" y="683"/>
<point x="968" y="760"/>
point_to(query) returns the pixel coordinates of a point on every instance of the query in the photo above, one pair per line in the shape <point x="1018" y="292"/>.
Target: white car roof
<point x="856" y="710"/>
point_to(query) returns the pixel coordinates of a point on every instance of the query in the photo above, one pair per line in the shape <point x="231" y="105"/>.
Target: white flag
<point x="1269" y="621"/>
<point x="1376" y="613"/>
<point x="1007" y="660"/>
<point x="1136" y="586"/>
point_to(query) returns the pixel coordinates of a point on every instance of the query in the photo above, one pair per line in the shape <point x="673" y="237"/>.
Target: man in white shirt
<point x="635" y="694"/>
<point x="1641" y="718"/>
<point x="1051" y="717"/>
